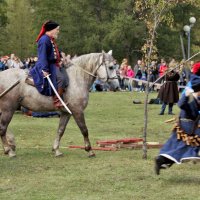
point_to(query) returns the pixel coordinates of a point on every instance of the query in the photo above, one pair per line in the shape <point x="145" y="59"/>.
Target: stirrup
<point x="57" y="103"/>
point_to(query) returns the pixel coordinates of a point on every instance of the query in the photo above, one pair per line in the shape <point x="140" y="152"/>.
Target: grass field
<point x="35" y="174"/>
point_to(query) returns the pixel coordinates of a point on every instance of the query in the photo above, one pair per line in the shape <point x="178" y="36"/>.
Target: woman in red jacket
<point x="162" y="69"/>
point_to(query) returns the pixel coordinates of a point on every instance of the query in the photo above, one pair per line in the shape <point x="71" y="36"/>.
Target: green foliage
<point x="3" y="17"/>
<point x="19" y="31"/>
<point x="92" y="26"/>
<point x="168" y="35"/>
<point x="126" y="33"/>
<point x="3" y="21"/>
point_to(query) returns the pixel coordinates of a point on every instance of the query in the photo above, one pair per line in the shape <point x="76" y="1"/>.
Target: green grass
<point x="35" y="174"/>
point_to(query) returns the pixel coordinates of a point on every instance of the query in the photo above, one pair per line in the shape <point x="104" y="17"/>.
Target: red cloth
<point x="196" y="68"/>
<point x="123" y="70"/>
<point x="42" y="32"/>
<point x="130" y="73"/>
<point x="162" y="70"/>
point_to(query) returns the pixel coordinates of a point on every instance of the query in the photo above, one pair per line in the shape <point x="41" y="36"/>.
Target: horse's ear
<point x="103" y="51"/>
<point x="110" y="52"/>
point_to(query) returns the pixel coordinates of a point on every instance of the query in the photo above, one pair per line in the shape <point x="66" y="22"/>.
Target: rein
<point x="87" y="72"/>
<point x="92" y="74"/>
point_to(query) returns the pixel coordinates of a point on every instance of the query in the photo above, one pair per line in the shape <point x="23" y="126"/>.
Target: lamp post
<point x="187" y="29"/>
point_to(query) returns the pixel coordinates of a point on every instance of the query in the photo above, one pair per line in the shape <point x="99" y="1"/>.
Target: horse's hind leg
<point x="7" y="140"/>
<point x="64" y="118"/>
<point x="80" y="120"/>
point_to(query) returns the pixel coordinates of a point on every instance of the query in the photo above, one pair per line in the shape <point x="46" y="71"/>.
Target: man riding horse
<point x="49" y="63"/>
<point x="48" y="75"/>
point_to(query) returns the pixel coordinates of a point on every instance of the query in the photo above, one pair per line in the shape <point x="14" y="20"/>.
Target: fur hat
<point x="50" y="25"/>
<point x="47" y="26"/>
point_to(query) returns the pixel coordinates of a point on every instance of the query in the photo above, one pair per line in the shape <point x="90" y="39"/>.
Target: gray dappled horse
<point x="82" y="72"/>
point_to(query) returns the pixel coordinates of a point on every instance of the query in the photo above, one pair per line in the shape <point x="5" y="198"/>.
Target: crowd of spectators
<point x="133" y="78"/>
<point x="13" y="61"/>
<point x="126" y="73"/>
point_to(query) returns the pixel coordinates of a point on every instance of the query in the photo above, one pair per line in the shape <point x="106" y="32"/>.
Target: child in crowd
<point x="130" y="74"/>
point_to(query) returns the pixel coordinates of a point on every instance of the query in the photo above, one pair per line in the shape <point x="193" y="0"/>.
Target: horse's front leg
<point x="64" y="118"/>
<point x="80" y="120"/>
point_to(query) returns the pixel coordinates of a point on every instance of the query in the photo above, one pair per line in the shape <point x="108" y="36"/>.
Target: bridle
<point x="103" y="63"/>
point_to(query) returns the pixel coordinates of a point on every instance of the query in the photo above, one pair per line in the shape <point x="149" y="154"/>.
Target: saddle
<point x="29" y="80"/>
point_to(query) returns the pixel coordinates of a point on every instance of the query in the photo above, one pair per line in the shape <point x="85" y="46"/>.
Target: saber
<point x="55" y="91"/>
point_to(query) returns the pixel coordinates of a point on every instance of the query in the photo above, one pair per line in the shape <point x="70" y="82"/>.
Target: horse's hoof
<point x="6" y="150"/>
<point x="58" y="153"/>
<point x="11" y="154"/>
<point x="91" y="155"/>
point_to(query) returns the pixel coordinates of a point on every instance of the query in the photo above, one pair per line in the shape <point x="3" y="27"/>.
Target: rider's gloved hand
<point x="45" y="73"/>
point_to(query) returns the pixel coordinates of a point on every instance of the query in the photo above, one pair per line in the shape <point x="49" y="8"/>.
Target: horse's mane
<point x="87" y="61"/>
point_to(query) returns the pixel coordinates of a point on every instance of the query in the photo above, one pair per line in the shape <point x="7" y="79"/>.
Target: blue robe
<point x="177" y="150"/>
<point x="46" y="62"/>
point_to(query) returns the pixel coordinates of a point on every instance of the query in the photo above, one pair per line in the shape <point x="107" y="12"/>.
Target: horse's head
<point x="106" y="71"/>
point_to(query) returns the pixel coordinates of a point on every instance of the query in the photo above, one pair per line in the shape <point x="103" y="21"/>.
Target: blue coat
<point x="189" y="108"/>
<point x="177" y="150"/>
<point x="46" y="62"/>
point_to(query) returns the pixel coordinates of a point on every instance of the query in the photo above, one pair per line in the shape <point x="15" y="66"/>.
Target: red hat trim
<point x="196" y="68"/>
<point x="42" y="32"/>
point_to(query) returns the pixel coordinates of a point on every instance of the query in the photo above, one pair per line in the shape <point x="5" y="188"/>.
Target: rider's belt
<point x="192" y="140"/>
<point x="185" y="120"/>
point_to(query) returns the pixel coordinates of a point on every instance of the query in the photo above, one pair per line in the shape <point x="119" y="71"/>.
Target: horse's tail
<point x="10" y="88"/>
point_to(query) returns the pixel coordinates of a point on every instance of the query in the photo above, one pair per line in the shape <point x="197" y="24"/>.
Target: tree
<point x="3" y="17"/>
<point x="95" y="25"/>
<point x="19" y="30"/>
<point x="3" y="21"/>
<point x="168" y="33"/>
<point x="153" y="12"/>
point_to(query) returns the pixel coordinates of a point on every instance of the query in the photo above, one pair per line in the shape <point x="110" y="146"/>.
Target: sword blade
<point x="55" y="91"/>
